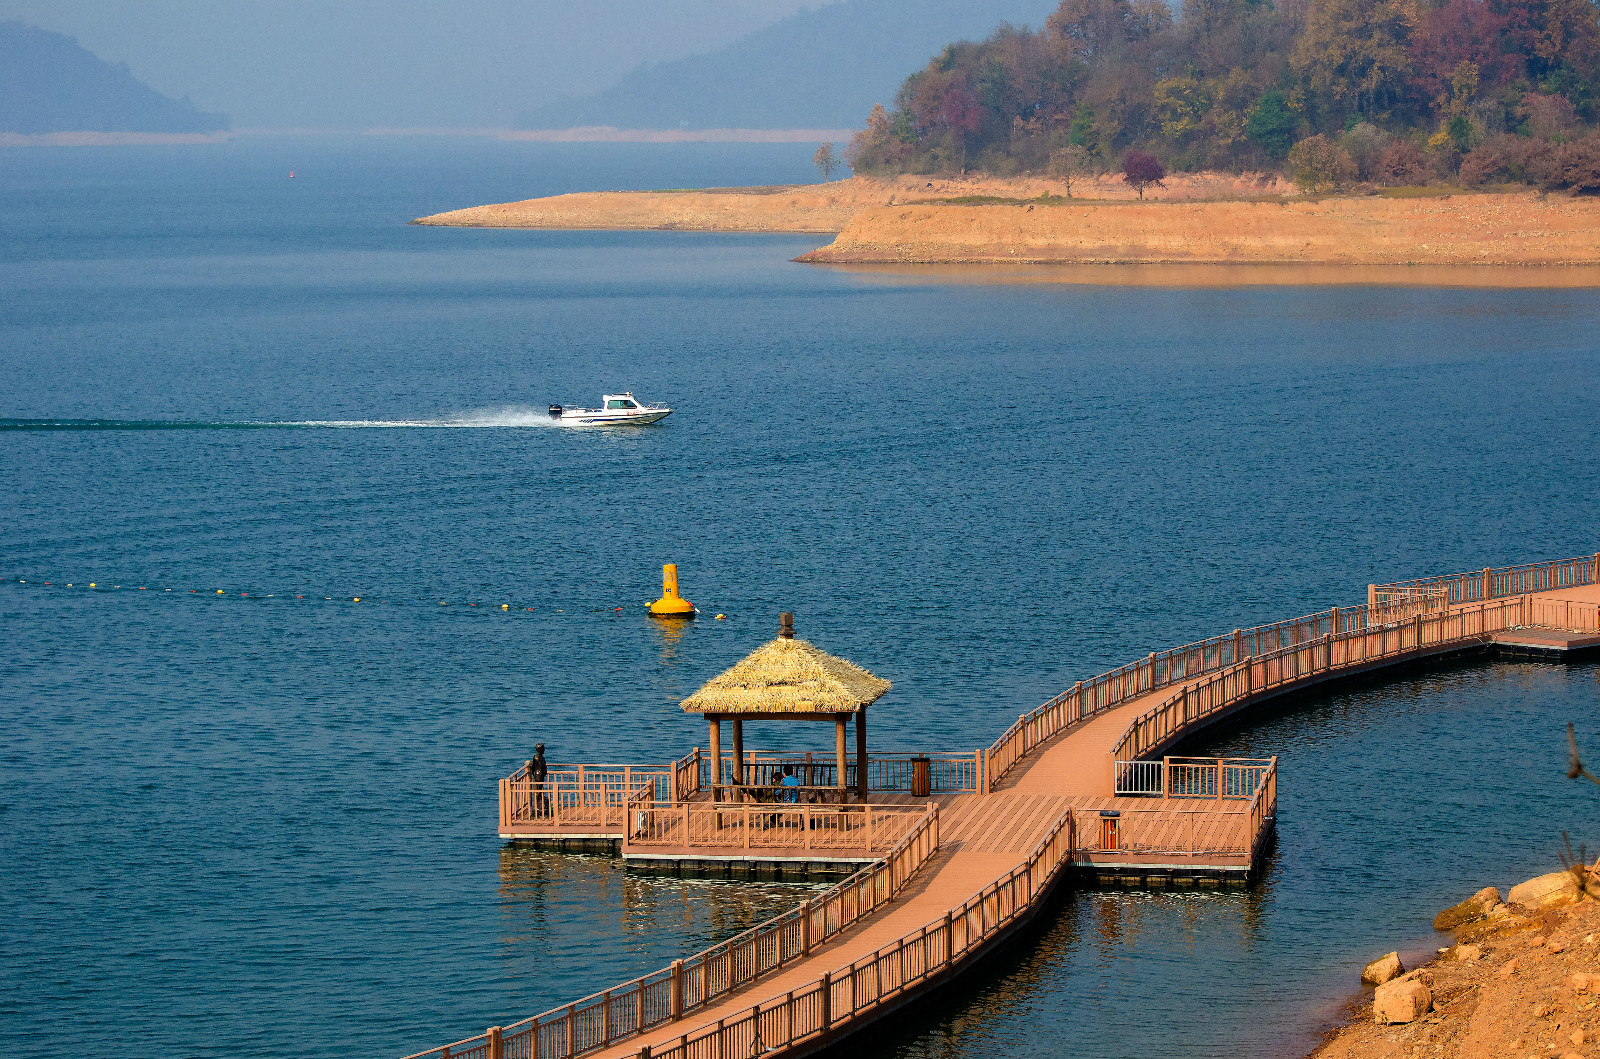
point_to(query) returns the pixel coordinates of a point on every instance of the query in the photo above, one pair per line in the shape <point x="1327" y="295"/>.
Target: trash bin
<point x="1110" y="830"/>
<point x="921" y="776"/>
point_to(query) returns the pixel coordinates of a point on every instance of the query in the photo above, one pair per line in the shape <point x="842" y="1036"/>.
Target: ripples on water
<point x="264" y="826"/>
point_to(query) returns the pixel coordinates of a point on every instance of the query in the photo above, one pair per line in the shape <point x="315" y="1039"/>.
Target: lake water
<point x="260" y="821"/>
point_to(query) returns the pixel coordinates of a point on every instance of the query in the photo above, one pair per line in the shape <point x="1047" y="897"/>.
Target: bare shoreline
<point x="1215" y="220"/>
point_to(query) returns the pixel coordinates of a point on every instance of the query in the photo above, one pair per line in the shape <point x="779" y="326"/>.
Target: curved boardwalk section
<point x="961" y="849"/>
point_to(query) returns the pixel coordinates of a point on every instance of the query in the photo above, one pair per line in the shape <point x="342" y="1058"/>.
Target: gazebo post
<point x="716" y="754"/>
<point x="738" y="752"/>
<point x="839" y="748"/>
<point x="861" y="753"/>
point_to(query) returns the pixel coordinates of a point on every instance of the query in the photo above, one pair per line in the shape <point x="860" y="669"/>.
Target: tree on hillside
<point x="825" y="161"/>
<point x="1271" y="125"/>
<point x="1233" y="84"/>
<point x="1141" y="170"/>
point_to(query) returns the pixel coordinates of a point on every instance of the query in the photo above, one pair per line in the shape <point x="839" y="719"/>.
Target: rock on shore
<point x="1522" y="980"/>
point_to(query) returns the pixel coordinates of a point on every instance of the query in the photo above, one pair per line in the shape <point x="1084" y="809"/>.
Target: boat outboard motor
<point x="555" y="411"/>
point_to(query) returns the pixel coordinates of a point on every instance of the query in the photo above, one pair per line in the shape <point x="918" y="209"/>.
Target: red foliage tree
<point x="1141" y="170"/>
<point x="1457" y="32"/>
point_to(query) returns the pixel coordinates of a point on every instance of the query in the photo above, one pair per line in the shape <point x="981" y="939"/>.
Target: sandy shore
<point x="1513" y="229"/>
<point x="1197" y="219"/>
<point x="801" y="207"/>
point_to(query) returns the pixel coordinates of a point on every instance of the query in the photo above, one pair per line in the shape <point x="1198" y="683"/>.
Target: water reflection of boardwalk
<point x="959" y="857"/>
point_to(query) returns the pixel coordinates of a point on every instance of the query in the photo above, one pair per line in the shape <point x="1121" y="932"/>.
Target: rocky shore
<point x="1520" y="981"/>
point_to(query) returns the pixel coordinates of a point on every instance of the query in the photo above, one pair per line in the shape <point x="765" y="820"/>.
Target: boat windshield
<point x="620" y="403"/>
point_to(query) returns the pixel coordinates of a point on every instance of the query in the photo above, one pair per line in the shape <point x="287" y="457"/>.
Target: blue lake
<point x="251" y="823"/>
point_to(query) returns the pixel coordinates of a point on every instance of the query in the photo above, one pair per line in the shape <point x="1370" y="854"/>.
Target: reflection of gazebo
<point x="788" y="680"/>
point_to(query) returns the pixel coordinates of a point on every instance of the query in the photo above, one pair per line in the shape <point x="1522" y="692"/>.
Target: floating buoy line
<point x="490" y="606"/>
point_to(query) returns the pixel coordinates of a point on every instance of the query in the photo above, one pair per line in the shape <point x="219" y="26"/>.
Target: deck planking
<point x="984" y="836"/>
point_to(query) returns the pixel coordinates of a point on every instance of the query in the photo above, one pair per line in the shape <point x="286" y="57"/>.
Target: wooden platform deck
<point x="981" y="862"/>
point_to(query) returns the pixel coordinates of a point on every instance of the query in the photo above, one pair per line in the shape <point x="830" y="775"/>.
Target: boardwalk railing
<point x="1162" y="724"/>
<point x="1192" y="777"/>
<point x="1491" y="583"/>
<point x="947" y="772"/>
<point x="1196" y="831"/>
<point x="579" y="795"/>
<point x="1565" y="615"/>
<point x="859" y="990"/>
<point x="848" y="831"/>
<point x="1163" y="669"/>
<point x="624" y="1011"/>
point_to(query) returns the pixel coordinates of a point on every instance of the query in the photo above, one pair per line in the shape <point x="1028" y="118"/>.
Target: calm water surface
<point x="250" y="823"/>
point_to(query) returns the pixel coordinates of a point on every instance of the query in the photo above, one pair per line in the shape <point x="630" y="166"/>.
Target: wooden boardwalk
<point x="1056" y="793"/>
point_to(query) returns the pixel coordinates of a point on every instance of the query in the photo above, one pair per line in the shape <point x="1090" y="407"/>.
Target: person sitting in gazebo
<point x="787" y="680"/>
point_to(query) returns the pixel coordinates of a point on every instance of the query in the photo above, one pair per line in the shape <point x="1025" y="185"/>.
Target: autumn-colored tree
<point x="1141" y="170"/>
<point x="825" y="160"/>
<point x="1456" y="32"/>
<point x="1317" y="164"/>
<point x="1354" y="54"/>
<point x="1402" y="164"/>
<point x="1235" y="83"/>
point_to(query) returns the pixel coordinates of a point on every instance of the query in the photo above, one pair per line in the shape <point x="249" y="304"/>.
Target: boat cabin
<point x="620" y="400"/>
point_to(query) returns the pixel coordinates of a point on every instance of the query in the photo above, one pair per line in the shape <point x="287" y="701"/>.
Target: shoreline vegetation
<point x="1196" y="219"/>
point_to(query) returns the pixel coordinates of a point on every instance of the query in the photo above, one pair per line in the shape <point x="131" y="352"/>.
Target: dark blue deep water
<point x="255" y="824"/>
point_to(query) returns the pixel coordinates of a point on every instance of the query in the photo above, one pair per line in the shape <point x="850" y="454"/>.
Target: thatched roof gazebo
<point x="788" y="680"/>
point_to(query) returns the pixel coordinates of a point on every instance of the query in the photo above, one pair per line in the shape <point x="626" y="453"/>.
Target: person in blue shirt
<point x="792" y="781"/>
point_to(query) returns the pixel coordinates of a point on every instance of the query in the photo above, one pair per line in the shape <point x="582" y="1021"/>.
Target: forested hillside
<point x="1336" y="91"/>
<point x="49" y="83"/>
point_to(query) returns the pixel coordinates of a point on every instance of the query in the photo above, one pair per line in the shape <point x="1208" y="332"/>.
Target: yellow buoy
<point x="505" y="606"/>
<point x="671" y="605"/>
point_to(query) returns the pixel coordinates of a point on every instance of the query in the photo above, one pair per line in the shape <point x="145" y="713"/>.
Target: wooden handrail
<point x="625" y="1010"/>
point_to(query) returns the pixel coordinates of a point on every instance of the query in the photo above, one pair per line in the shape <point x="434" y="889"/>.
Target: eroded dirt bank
<point x="1509" y="229"/>
<point x="1521" y="981"/>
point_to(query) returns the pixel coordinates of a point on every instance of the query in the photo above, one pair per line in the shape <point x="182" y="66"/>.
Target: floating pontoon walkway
<point x="962" y="849"/>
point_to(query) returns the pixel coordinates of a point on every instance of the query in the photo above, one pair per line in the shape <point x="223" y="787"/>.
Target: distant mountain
<point x="50" y="83"/>
<point x="818" y="69"/>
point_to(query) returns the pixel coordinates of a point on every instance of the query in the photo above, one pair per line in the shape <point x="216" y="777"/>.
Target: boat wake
<point x="486" y="419"/>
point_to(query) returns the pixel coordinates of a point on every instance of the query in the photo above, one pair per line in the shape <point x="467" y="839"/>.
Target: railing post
<point x="1488" y="583"/>
<point x="805" y="927"/>
<point x="675" y="992"/>
<point x="497" y="1044"/>
<point x="825" y="1018"/>
<point x="1334" y="613"/>
<point x="949" y="939"/>
<point x="1238" y="644"/>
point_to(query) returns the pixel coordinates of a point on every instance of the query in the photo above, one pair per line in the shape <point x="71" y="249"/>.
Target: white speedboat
<point x="616" y="408"/>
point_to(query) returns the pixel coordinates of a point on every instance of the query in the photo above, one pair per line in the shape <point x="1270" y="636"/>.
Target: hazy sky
<point x="362" y="63"/>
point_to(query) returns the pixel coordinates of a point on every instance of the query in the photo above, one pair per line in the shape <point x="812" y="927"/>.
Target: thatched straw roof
<point x="788" y="676"/>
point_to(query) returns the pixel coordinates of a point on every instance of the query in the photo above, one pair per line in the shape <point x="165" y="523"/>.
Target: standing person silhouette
<point x="538" y="775"/>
